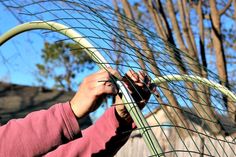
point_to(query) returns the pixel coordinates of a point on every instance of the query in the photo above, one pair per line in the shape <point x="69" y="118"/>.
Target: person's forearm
<point x="104" y="138"/>
<point x="39" y="132"/>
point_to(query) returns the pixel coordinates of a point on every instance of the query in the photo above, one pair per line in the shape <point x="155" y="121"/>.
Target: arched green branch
<point x="53" y="26"/>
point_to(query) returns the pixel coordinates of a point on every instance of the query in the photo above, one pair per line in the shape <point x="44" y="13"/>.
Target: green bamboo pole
<point x="127" y="99"/>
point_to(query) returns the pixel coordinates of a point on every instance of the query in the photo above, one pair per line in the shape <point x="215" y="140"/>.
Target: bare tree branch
<point x="159" y="28"/>
<point x="165" y="23"/>
<point x="235" y="10"/>
<point x="180" y="120"/>
<point x="221" y="12"/>
<point x="175" y="25"/>
<point x="202" y="37"/>
<point x="206" y="110"/>
<point x="220" y="55"/>
<point x="128" y="40"/>
<point x="186" y="29"/>
<point x="176" y="58"/>
<point x="190" y="32"/>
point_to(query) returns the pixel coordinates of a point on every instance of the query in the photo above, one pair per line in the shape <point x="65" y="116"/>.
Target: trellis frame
<point x="127" y="99"/>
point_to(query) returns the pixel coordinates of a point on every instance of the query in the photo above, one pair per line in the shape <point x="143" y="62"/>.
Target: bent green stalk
<point x="127" y="99"/>
<point x="198" y="80"/>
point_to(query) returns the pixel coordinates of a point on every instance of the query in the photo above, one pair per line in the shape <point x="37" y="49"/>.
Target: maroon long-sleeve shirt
<point x="55" y="132"/>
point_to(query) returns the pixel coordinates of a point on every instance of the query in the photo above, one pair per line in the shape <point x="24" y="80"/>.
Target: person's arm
<point x="42" y="131"/>
<point x="39" y="132"/>
<point x="104" y="138"/>
<point x="112" y="130"/>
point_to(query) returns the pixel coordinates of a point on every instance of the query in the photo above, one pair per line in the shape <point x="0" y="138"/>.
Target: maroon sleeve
<point x="104" y="138"/>
<point x="39" y="132"/>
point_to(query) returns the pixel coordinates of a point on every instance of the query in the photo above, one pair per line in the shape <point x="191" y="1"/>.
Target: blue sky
<point x="20" y="54"/>
<point x="18" y="57"/>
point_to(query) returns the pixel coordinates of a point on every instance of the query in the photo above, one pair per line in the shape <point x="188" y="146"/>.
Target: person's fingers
<point x="100" y="82"/>
<point x="101" y="89"/>
<point x="114" y="73"/>
<point x="104" y="76"/>
<point x="130" y="79"/>
<point x="109" y="73"/>
<point x="134" y="81"/>
<point x="103" y="82"/>
<point x="141" y="82"/>
<point x="133" y="75"/>
<point x="93" y="90"/>
<point x="139" y="85"/>
<point x="141" y="76"/>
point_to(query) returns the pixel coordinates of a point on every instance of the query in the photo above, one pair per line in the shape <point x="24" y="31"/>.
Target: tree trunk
<point x="193" y="95"/>
<point x="179" y="120"/>
<point x="203" y="107"/>
<point x="220" y="55"/>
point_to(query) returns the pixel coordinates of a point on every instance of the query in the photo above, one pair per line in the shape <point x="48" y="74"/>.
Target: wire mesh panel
<point x="189" y="115"/>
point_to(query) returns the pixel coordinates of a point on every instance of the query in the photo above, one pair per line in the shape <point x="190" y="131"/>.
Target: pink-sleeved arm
<point x="39" y="132"/>
<point x="104" y="138"/>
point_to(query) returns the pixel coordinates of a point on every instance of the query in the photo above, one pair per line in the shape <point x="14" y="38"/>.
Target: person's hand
<point x="92" y="91"/>
<point x="140" y="87"/>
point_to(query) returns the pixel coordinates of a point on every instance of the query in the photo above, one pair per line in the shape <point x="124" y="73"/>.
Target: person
<point x="55" y="132"/>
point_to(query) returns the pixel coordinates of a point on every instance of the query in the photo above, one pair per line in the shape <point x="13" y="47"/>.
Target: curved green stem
<point x="196" y="79"/>
<point x="53" y="26"/>
<point x="130" y="104"/>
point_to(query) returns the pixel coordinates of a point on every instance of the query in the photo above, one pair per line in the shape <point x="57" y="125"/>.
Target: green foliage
<point x="62" y="62"/>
